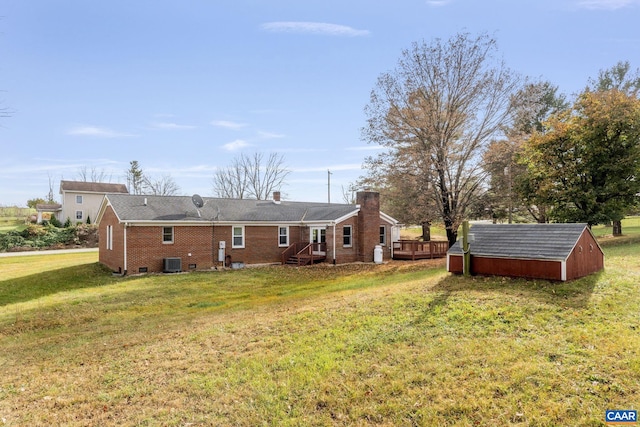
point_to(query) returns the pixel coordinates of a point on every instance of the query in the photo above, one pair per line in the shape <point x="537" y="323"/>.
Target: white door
<point x="318" y="235"/>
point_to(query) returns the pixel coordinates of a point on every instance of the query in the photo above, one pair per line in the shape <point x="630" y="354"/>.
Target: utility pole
<point x="466" y="254"/>
<point x="328" y="186"/>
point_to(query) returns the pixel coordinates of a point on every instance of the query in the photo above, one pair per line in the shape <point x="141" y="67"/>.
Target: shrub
<point x="55" y="222"/>
<point x="49" y="236"/>
<point x="12" y="239"/>
<point x="35" y="230"/>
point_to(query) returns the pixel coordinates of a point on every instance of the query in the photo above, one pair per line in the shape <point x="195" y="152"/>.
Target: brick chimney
<point x="276" y="197"/>
<point x="368" y="224"/>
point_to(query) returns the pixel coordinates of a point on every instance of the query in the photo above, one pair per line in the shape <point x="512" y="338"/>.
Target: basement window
<point x="143" y="270"/>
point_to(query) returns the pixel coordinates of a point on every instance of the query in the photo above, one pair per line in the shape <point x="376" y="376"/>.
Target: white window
<point x="109" y="237"/>
<point x="383" y="235"/>
<point x="238" y="236"/>
<point x="79" y="200"/>
<point x="283" y="236"/>
<point x="167" y="234"/>
<point x="347" y="236"/>
<point x="79" y="215"/>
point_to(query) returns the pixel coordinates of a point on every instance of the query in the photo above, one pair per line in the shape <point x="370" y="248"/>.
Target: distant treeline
<point x="14" y="211"/>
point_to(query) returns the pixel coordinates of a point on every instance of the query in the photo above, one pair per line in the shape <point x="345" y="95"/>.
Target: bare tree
<point x="349" y="193"/>
<point x="231" y="182"/>
<point x="5" y="112"/>
<point x="164" y="186"/>
<point x="436" y="112"/>
<point x="50" y="194"/>
<point x="92" y="175"/>
<point x="250" y="177"/>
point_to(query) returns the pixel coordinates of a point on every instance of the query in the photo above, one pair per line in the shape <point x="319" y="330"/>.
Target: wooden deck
<point x="413" y="249"/>
<point x="302" y="253"/>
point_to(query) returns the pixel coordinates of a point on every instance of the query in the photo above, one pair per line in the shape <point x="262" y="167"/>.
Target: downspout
<point x="334" y="243"/>
<point x="124" y="272"/>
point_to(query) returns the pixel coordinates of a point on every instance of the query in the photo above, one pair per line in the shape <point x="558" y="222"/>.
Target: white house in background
<point x="82" y="200"/>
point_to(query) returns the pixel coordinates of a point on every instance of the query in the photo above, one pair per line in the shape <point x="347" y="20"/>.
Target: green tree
<point x="619" y="77"/>
<point x="587" y="164"/>
<point x="135" y="178"/>
<point x="509" y="187"/>
<point x="435" y="113"/>
<point x="36" y="201"/>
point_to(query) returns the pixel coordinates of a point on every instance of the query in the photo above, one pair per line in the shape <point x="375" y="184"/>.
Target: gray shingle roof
<point x="180" y="208"/>
<point x="523" y="241"/>
<point x="92" y="187"/>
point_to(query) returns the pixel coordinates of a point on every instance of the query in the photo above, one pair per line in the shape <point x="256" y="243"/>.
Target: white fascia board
<point x="103" y="208"/>
<point x="346" y="217"/>
<point x="389" y="218"/>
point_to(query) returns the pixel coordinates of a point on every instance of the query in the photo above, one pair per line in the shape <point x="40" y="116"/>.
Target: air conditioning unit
<point x="172" y="265"/>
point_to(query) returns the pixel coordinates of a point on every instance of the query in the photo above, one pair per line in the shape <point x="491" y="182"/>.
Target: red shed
<point x="537" y="251"/>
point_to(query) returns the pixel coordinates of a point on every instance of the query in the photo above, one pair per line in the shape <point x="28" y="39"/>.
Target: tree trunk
<point x="617" y="228"/>
<point x="426" y="231"/>
<point x="452" y="235"/>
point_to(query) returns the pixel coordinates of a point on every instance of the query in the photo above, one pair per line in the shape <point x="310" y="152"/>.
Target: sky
<point x="184" y="87"/>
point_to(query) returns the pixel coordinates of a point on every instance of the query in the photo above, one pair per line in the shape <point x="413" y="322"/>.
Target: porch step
<point x="303" y="259"/>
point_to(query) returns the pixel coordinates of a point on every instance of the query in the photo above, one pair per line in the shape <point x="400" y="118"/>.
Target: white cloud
<point x="606" y="4"/>
<point x="228" y="124"/>
<point x="319" y="28"/>
<point x="438" y="3"/>
<point x="270" y="135"/>
<point x="171" y="126"/>
<point x="98" y="132"/>
<point x="236" y="145"/>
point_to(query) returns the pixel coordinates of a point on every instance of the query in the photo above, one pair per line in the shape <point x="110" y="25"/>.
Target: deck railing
<point x="414" y="249"/>
<point x="309" y="251"/>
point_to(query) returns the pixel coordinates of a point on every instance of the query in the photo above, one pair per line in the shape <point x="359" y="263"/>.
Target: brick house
<point x="141" y="234"/>
<point x="82" y="200"/>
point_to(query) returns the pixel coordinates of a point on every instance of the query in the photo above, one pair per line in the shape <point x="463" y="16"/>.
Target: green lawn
<point x="14" y="218"/>
<point x="396" y="344"/>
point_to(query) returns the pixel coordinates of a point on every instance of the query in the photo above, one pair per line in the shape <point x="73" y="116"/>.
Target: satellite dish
<point x="197" y="201"/>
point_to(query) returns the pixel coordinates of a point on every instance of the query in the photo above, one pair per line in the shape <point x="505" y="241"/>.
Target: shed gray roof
<point x="180" y="208"/>
<point x="523" y="241"/>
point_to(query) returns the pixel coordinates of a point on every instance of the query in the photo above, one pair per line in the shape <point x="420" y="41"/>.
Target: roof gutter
<point x="124" y="271"/>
